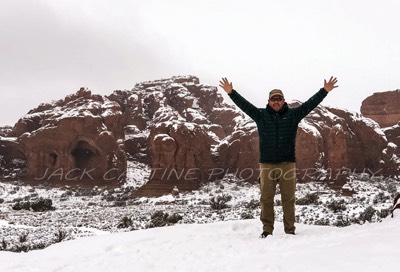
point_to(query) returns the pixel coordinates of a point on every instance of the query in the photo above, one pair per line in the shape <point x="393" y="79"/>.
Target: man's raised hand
<point x="226" y="85"/>
<point x="331" y="84"/>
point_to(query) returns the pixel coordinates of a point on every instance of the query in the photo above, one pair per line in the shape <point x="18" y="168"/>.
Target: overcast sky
<point x="50" y="49"/>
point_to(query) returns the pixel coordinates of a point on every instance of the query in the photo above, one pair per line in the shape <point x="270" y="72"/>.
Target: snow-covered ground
<point x="222" y="246"/>
<point x="102" y="229"/>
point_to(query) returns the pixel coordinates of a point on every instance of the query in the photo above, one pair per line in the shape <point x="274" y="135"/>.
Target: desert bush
<point x="23" y="237"/>
<point x="342" y="222"/>
<point x="40" y="245"/>
<point x="4" y="244"/>
<point x="125" y="222"/>
<point x="310" y="198"/>
<point x="391" y="188"/>
<point x="42" y="205"/>
<point x="39" y="205"/>
<point x="383" y="213"/>
<point x="253" y="204"/>
<point x="60" y="235"/>
<point x="337" y="205"/>
<point x="21" y="205"/>
<point x="219" y="202"/>
<point x="246" y="215"/>
<point x="380" y="198"/>
<point x="322" y="222"/>
<point x="161" y="219"/>
<point x="174" y="218"/>
<point x="367" y="214"/>
<point x="20" y="248"/>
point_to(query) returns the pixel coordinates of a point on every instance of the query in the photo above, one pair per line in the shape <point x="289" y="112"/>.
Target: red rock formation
<point x="339" y="142"/>
<point x="188" y="135"/>
<point x="331" y="143"/>
<point x="75" y="139"/>
<point x="383" y="107"/>
<point x="393" y="135"/>
<point x="5" y="131"/>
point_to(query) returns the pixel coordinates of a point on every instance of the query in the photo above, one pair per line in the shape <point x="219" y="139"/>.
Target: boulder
<point x="383" y="107"/>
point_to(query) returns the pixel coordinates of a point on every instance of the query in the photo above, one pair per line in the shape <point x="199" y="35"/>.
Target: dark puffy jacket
<point x="277" y="130"/>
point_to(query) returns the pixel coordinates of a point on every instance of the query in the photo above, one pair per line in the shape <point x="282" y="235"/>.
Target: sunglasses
<point x="276" y="99"/>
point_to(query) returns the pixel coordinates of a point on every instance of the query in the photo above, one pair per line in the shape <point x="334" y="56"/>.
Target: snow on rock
<point x="346" y="138"/>
<point x="163" y="138"/>
<point x="54" y="137"/>
<point x="369" y="122"/>
<point x="392" y="145"/>
<point x="309" y="128"/>
<point x="192" y="113"/>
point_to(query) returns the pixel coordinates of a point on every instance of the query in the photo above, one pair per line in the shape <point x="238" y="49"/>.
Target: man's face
<point x="276" y="102"/>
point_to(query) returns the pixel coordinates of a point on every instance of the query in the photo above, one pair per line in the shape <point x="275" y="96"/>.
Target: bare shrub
<point x="337" y="205"/>
<point x="60" y="235"/>
<point x="125" y="222"/>
<point x="23" y="237"/>
<point x="42" y="205"/>
<point x="310" y="198"/>
<point x="253" y="204"/>
<point x="219" y="202"/>
<point x="342" y="222"/>
<point x="4" y="244"/>
<point x="246" y="215"/>
<point x="161" y="219"/>
<point x="367" y="214"/>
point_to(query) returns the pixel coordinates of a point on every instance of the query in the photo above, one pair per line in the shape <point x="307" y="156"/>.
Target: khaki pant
<point x="283" y="174"/>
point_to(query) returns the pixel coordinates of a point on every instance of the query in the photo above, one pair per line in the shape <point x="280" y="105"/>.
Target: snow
<point x="205" y="239"/>
<point x="196" y="115"/>
<point x="8" y="139"/>
<point x="164" y="138"/>
<point x="190" y="126"/>
<point x="137" y="174"/>
<point x="110" y="112"/>
<point x="329" y="114"/>
<point x="222" y="246"/>
<point x="369" y="122"/>
<point x="392" y="145"/>
<point x="195" y="104"/>
<point x="307" y="127"/>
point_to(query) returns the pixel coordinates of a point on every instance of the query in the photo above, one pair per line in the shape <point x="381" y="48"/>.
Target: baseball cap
<point x="275" y="92"/>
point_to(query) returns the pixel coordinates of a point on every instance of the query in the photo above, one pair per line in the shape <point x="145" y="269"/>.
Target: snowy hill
<point x="72" y="213"/>
<point x="224" y="246"/>
<point x="181" y="123"/>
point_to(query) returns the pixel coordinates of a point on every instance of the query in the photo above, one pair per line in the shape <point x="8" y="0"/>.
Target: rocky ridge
<point x="188" y="135"/>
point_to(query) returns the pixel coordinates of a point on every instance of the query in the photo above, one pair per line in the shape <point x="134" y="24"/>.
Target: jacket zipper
<point x="277" y="137"/>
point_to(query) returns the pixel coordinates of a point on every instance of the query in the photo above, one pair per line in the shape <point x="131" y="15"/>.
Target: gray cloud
<point x="51" y="48"/>
<point x="46" y="56"/>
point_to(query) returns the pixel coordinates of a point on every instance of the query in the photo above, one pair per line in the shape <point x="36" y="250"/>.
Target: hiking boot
<point x="264" y="234"/>
<point x="291" y="232"/>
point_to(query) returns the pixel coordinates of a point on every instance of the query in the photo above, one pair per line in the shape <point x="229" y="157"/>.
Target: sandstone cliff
<point x="74" y="139"/>
<point x="383" y="107"/>
<point x="187" y="135"/>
